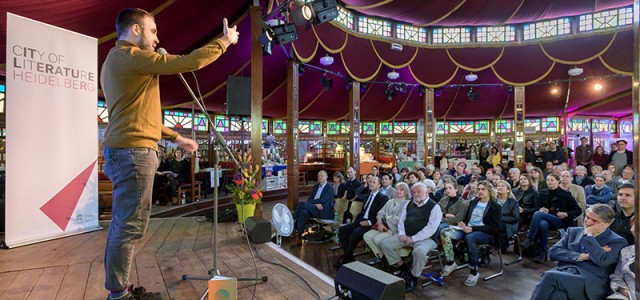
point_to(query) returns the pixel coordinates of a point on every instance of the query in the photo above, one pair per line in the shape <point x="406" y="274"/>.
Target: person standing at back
<point x="130" y="81"/>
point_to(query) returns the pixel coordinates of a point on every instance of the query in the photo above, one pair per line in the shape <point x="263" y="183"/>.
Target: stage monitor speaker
<point x="258" y="229"/>
<point x="359" y="281"/>
<point x="223" y="288"/>
<point x="239" y="96"/>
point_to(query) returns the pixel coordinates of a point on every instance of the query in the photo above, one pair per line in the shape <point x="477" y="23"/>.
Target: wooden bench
<point x="186" y="188"/>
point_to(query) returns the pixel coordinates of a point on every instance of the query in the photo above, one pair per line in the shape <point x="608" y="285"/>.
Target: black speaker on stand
<point x="361" y="282"/>
<point x="239" y="102"/>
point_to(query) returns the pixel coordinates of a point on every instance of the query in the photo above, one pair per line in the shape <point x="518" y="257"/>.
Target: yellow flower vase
<point x="245" y="211"/>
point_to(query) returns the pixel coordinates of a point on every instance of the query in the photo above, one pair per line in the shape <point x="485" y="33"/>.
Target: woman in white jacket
<point x="389" y="215"/>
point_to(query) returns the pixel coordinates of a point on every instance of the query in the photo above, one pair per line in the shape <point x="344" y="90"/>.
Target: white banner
<point x="52" y="144"/>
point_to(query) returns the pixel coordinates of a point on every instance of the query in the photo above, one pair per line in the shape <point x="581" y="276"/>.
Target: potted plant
<point x="245" y="190"/>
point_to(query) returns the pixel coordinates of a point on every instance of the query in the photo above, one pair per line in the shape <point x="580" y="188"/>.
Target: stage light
<point x="508" y="89"/>
<point x="555" y="90"/>
<point x="324" y="11"/>
<point x="597" y="86"/>
<point x="326" y="83"/>
<point x="279" y="34"/>
<point x="348" y="83"/>
<point x="302" y="15"/>
<point x="437" y="92"/>
<point x="300" y="69"/>
<point x="401" y="87"/>
<point x="390" y="92"/>
<point x="421" y="90"/>
<point x="473" y="96"/>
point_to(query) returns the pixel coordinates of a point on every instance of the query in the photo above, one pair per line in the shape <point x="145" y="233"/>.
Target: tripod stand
<point x="213" y="273"/>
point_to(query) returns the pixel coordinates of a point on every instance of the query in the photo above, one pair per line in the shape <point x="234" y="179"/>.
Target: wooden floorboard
<point x="74" y="282"/>
<point x="48" y="283"/>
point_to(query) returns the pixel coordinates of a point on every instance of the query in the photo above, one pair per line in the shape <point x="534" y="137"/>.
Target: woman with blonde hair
<point x="510" y="212"/>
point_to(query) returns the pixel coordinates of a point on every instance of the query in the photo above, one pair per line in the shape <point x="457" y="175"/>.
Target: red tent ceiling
<point x="185" y="25"/>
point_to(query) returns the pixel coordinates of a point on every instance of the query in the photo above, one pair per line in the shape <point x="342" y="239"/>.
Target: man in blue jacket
<point x="317" y="206"/>
<point x="586" y="256"/>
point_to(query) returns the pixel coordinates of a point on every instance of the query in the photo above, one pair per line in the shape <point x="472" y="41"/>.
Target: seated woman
<point x="470" y="191"/>
<point x="558" y="209"/>
<point x="483" y="219"/>
<point x="510" y="213"/>
<point x="586" y="257"/>
<point x="528" y="200"/>
<point x="452" y="206"/>
<point x="623" y="279"/>
<point x="387" y="218"/>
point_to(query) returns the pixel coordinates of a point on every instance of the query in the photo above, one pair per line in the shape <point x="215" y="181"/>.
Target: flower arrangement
<point x="245" y="188"/>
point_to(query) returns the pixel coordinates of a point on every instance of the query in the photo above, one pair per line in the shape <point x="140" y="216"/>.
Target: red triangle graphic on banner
<point x="60" y="208"/>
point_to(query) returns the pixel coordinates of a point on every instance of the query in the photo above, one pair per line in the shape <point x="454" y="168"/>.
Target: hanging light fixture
<point x="393" y="75"/>
<point x="326" y="60"/>
<point x="471" y="77"/>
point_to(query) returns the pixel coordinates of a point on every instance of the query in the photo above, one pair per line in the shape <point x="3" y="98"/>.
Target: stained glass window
<point x="2" y="96"/>
<point x="578" y="125"/>
<point x="482" y="127"/>
<point x="547" y="29"/>
<point x="310" y="127"/>
<point x="550" y="124"/>
<point x="103" y="112"/>
<point x="603" y="126"/>
<point x="451" y="35"/>
<point x="504" y="126"/>
<point x="345" y="127"/>
<point x="496" y="34"/>
<point x="279" y="127"/>
<point x="374" y="26"/>
<point x="411" y="33"/>
<point x="333" y="128"/>
<point x="265" y="125"/>
<point x="626" y="127"/>
<point x="200" y="122"/>
<point x="386" y="128"/>
<point x="404" y="127"/>
<point x="606" y="19"/>
<point x="461" y="127"/>
<point x="368" y="128"/>
<point x="178" y="119"/>
<point x="534" y="123"/>
<point x="345" y="17"/>
<point x="442" y="127"/>
<point x="236" y="124"/>
<point x="222" y="123"/>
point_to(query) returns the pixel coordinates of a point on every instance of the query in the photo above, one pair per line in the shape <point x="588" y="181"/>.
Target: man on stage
<point x="130" y="81"/>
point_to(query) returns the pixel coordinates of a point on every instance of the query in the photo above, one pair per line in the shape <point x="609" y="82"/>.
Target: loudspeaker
<point x="258" y="230"/>
<point x="359" y="281"/>
<point x="223" y="288"/>
<point x="239" y="96"/>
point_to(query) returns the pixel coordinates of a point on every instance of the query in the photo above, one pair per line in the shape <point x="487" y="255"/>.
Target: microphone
<point x="162" y="51"/>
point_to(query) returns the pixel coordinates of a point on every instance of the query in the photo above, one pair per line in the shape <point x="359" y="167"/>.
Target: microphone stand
<point x="213" y="273"/>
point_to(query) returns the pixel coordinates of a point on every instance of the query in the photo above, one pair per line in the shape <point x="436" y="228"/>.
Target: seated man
<point x="585" y="255"/>
<point x="317" y="206"/>
<point x="351" y="234"/>
<point x="418" y="221"/>
<point x="598" y="192"/>
<point x="622" y="221"/>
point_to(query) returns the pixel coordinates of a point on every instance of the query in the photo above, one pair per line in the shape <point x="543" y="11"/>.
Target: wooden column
<point x="256" y="92"/>
<point x="635" y="97"/>
<point x="429" y="128"/>
<point x="518" y="127"/>
<point x="292" y="134"/>
<point x="354" y="135"/>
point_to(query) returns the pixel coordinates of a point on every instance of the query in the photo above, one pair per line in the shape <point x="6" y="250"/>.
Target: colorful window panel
<point x="550" y="124"/>
<point x="504" y="126"/>
<point x="368" y="128"/>
<point x="279" y="127"/>
<point x="386" y="128"/>
<point x="345" y="127"/>
<point x="606" y="19"/>
<point x="442" y="127"/>
<point x="333" y="128"/>
<point x="482" y="127"/>
<point x="411" y="33"/>
<point x="496" y="34"/>
<point x="603" y="126"/>
<point x="461" y="127"/>
<point x="547" y="29"/>
<point x="579" y="125"/>
<point x="626" y="127"/>
<point x="310" y="127"/>
<point x="345" y="17"/>
<point x="178" y="119"/>
<point x="200" y="122"/>
<point x="236" y="124"/>
<point x="103" y="112"/>
<point x="535" y="123"/>
<point x="374" y="26"/>
<point x="2" y="96"/>
<point x="404" y="127"/>
<point x="265" y="125"/>
<point x="454" y="35"/>
<point x="222" y="123"/>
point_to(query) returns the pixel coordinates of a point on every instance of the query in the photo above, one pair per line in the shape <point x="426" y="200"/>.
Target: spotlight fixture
<point x="471" y="77"/>
<point x="326" y="60"/>
<point x="324" y="11"/>
<point x="508" y="89"/>
<point x="597" y="86"/>
<point x="390" y="92"/>
<point x="326" y="83"/>
<point x="302" y="15"/>
<point x="300" y="69"/>
<point x="473" y="96"/>
<point x="555" y="90"/>
<point x="393" y="75"/>
<point x="437" y="92"/>
<point x="279" y="34"/>
<point x="421" y="90"/>
<point x="401" y="87"/>
<point x="348" y="83"/>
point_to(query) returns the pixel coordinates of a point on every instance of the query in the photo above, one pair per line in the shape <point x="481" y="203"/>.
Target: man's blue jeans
<point x="131" y="171"/>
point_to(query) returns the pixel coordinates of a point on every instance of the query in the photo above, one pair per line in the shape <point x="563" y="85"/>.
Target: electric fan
<point x="282" y="221"/>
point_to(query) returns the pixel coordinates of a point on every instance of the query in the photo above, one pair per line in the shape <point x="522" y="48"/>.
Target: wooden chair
<point x="302" y="178"/>
<point x="186" y="188"/>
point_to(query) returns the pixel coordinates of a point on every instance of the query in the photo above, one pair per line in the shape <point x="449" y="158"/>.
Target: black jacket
<point x="378" y="202"/>
<point x="352" y="185"/>
<point x="528" y="200"/>
<point x="563" y="201"/>
<point x="585" y="182"/>
<point x="529" y="155"/>
<point x="553" y="155"/>
<point x="491" y="218"/>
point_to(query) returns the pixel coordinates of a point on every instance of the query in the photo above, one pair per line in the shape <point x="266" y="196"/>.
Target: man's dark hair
<point x="626" y="186"/>
<point x="386" y="174"/>
<point x="129" y="16"/>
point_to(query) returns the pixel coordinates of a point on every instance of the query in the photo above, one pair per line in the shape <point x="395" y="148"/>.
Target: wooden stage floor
<point x="72" y="267"/>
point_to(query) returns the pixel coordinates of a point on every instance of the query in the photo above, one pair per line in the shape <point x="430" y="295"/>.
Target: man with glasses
<point x="626" y="203"/>
<point x="622" y="157"/>
<point x="585" y="255"/>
